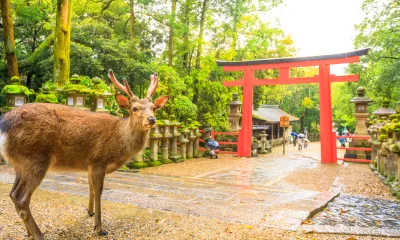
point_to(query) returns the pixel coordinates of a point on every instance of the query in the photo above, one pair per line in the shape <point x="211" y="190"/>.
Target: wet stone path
<point x="366" y="215"/>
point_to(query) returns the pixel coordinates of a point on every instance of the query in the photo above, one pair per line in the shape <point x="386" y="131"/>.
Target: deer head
<point x="141" y="110"/>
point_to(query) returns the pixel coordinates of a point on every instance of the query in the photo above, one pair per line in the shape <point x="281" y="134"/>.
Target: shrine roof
<point x="272" y="114"/>
<point x="360" y="52"/>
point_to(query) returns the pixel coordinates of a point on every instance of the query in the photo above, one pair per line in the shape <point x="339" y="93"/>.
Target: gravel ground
<point x="62" y="216"/>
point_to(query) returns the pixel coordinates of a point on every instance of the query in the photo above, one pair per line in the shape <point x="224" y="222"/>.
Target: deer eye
<point x="134" y="109"/>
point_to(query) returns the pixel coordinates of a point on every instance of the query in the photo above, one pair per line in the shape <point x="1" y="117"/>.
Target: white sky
<point x="320" y="27"/>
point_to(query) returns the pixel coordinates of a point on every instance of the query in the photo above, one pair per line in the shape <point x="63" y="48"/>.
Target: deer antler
<point x="125" y="88"/>
<point x="153" y="85"/>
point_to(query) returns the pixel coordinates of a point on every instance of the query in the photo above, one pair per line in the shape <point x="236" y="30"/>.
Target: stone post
<point x="263" y="136"/>
<point x="191" y="137"/>
<point x="173" y="153"/>
<point x="254" y="148"/>
<point x="196" y="152"/>
<point x="183" y="140"/>
<point x="155" y="136"/>
<point x="166" y="135"/>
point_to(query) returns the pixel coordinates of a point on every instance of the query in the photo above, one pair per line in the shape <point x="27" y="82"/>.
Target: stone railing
<point x="169" y="142"/>
<point x="385" y="155"/>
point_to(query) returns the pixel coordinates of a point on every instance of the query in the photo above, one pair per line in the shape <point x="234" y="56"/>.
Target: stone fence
<point x="385" y="139"/>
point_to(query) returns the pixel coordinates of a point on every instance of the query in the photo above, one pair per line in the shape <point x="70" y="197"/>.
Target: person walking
<point x="342" y="141"/>
<point x="294" y="135"/>
<point x="300" y="142"/>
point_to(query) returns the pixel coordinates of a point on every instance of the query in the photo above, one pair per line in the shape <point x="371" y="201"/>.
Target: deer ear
<point x="122" y="101"/>
<point x="160" y="102"/>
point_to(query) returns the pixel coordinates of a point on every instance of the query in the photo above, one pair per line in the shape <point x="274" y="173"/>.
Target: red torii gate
<point x="283" y="65"/>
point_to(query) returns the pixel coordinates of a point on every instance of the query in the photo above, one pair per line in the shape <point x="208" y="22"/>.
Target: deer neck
<point x="134" y="135"/>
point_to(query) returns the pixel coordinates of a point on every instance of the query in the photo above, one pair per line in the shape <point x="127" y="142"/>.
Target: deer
<point x="40" y="137"/>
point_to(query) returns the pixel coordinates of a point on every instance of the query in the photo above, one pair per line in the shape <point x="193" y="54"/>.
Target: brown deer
<point x="38" y="137"/>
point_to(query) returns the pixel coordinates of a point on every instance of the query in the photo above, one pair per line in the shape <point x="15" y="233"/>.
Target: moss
<point x="155" y="163"/>
<point x="17" y="89"/>
<point x="166" y="161"/>
<point x="46" y="98"/>
<point x="137" y="165"/>
<point x="382" y="137"/>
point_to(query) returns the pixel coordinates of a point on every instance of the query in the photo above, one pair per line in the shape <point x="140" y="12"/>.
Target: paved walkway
<point x="251" y="193"/>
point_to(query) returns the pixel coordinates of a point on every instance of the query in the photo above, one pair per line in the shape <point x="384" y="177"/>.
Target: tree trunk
<point x="200" y="39"/>
<point x="185" y="57"/>
<point x="171" y="32"/>
<point x="132" y="19"/>
<point x="62" y="42"/>
<point x="9" y="44"/>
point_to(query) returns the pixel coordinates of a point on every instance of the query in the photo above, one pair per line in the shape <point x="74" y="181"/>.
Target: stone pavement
<point x="249" y="193"/>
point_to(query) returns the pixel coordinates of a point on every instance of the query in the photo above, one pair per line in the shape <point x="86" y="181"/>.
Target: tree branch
<point x="34" y="56"/>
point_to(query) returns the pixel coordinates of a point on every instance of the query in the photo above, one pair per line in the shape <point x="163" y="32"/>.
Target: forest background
<point x="181" y="40"/>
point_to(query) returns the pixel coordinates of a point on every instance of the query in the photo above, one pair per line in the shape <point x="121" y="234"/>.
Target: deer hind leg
<point x="91" y="196"/>
<point x="16" y="182"/>
<point x="28" y="180"/>
<point x="97" y="176"/>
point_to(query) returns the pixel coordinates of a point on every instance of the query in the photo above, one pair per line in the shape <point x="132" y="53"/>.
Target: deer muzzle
<point x="151" y="120"/>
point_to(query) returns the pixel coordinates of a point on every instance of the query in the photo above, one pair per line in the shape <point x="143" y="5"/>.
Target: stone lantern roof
<point x="15" y="87"/>
<point x="235" y="100"/>
<point x="385" y="110"/>
<point x="360" y="96"/>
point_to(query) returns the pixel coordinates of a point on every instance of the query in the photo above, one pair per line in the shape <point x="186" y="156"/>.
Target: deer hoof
<point x="90" y="214"/>
<point x="102" y="233"/>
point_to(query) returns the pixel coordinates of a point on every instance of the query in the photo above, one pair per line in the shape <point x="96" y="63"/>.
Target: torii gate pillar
<point x="324" y="79"/>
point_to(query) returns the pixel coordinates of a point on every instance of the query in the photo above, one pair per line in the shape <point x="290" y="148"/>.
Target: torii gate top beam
<point x="283" y="65"/>
<point x="261" y="64"/>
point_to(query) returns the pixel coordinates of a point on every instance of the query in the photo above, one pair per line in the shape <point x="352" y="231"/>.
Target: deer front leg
<point x="91" y="197"/>
<point x="97" y="178"/>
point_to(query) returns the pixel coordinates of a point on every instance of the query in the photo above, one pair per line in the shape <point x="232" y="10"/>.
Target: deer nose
<point x="151" y="120"/>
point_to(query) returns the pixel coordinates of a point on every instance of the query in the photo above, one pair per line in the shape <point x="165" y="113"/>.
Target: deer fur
<point x="38" y="137"/>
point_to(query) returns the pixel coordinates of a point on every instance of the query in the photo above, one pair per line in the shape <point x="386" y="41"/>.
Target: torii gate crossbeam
<point x="324" y="79"/>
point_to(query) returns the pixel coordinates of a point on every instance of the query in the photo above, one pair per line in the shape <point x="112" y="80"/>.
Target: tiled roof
<point x="272" y="114"/>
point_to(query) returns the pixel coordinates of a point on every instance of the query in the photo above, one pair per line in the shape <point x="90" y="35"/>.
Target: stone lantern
<point x="16" y="94"/>
<point x="361" y="111"/>
<point x="385" y="110"/>
<point x="46" y="96"/>
<point x="361" y="115"/>
<point x="98" y="98"/>
<point x="75" y="93"/>
<point x="234" y="113"/>
<point x="264" y="149"/>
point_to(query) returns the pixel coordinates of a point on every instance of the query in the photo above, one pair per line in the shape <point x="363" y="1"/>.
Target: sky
<point x="320" y="27"/>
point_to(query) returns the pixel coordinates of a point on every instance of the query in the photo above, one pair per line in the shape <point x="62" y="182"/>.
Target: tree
<point x="9" y="43"/>
<point x="62" y="44"/>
